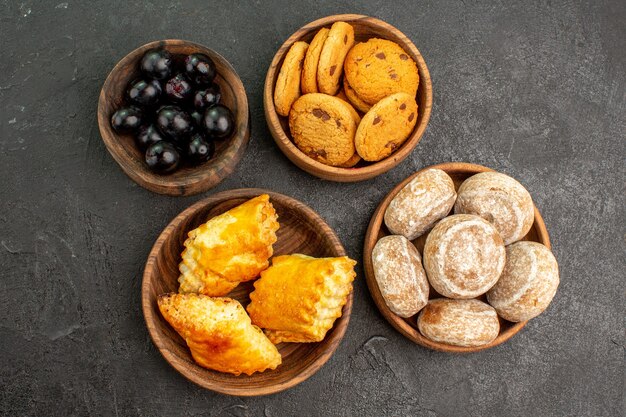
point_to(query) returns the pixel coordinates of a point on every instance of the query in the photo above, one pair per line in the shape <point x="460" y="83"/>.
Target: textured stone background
<point x="534" y="89"/>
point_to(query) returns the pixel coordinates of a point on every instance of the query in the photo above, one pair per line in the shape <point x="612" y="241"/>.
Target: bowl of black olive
<point x="174" y="115"/>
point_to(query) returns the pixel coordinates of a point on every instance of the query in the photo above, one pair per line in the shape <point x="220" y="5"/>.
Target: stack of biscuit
<point x="347" y="102"/>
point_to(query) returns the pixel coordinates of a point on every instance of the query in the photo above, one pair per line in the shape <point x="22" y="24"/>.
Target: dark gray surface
<point x="535" y="90"/>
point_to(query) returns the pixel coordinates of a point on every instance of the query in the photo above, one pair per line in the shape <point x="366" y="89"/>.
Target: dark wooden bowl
<point x="301" y="231"/>
<point x="186" y="180"/>
<point x="459" y="171"/>
<point x="365" y="27"/>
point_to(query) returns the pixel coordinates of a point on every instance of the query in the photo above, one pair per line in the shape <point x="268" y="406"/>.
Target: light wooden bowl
<point x="301" y="231"/>
<point x="364" y="28"/>
<point x="185" y="180"/>
<point x="459" y="171"/>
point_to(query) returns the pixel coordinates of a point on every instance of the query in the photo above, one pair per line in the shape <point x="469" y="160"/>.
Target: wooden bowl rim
<point x="224" y="163"/>
<point x="340" y="325"/>
<point x="336" y="173"/>
<point x="371" y="237"/>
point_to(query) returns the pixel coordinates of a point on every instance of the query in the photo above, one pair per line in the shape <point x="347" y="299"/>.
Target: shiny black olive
<point x="148" y="135"/>
<point x="162" y="157"/>
<point x="199" y="150"/>
<point x="178" y="89"/>
<point x="200" y="69"/>
<point x="174" y="123"/>
<point x="219" y="122"/>
<point x="157" y="64"/>
<point x="197" y="118"/>
<point x="207" y="97"/>
<point x="127" y="119"/>
<point x="145" y="93"/>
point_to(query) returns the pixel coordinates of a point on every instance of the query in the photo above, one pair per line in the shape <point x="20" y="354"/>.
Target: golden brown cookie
<point x="353" y="112"/>
<point x="287" y="88"/>
<point x="311" y="59"/>
<point x="386" y="126"/>
<point x="357" y="119"/>
<point x="355" y="159"/>
<point x="378" y="68"/>
<point x="323" y="127"/>
<point x="330" y="67"/>
<point x="342" y="96"/>
<point x="354" y="98"/>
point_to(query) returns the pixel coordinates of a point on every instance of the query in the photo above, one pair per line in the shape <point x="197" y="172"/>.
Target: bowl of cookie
<point x="247" y="292"/>
<point x="347" y="97"/>
<point x="457" y="258"/>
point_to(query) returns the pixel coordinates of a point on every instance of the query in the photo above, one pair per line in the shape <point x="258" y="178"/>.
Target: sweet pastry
<point x="426" y="199"/>
<point x="298" y="298"/>
<point x="386" y="126"/>
<point x="378" y="68"/>
<point x="527" y="284"/>
<point x="330" y="67"/>
<point x="195" y="278"/>
<point x="459" y="322"/>
<point x="500" y="199"/>
<point x="323" y="127"/>
<point x="352" y="96"/>
<point x="311" y="60"/>
<point x="463" y="256"/>
<point x="287" y="88"/>
<point x="230" y="248"/>
<point x="400" y="276"/>
<point x="219" y="333"/>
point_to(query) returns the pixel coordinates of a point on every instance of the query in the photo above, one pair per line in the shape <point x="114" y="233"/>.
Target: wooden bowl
<point x="301" y="231"/>
<point x="459" y="171"/>
<point x="186" y="180"/>
<point x="365" y="27"/>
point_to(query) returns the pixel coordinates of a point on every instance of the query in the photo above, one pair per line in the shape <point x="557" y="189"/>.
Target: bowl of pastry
<point x="247" y="292"/>
<point x="347" y="97"/>
<point x="457" y="258"/>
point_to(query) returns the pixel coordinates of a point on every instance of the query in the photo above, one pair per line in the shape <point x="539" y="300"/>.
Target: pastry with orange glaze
<point x="230" y="248"/>
<point x="219" y="333"/>
<point x="298" y="298"/>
